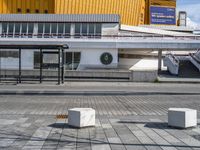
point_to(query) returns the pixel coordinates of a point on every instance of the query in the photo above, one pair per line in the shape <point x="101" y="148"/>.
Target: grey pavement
<point x="124" y="122"/>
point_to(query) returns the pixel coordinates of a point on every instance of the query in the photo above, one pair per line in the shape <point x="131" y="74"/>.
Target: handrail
<point x="174" y="58"/>
<point x="95" y="36"/>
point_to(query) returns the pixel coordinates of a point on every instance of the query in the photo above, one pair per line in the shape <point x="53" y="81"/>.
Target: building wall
<point x="13" y="6"/>
<point x="132" y="12"/>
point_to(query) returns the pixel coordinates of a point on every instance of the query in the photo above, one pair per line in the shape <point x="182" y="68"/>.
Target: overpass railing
<point x="138" y="36"/>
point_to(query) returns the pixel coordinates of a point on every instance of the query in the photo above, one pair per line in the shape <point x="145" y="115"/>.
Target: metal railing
<point x="120" y="36"/>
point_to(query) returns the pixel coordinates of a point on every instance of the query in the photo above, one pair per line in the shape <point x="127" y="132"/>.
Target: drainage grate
<point x="61" y="116"/>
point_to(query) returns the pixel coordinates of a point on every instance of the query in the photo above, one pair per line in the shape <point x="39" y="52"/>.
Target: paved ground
<point x="134" y="121"/>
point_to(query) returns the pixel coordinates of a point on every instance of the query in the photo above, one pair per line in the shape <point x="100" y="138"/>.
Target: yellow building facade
<point x="132" y="12"/>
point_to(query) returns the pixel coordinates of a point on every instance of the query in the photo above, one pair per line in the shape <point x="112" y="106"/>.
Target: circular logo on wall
<point x="106" y="58"/>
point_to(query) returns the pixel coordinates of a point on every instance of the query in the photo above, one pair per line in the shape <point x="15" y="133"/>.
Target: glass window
<point x="67" y="29"/>
<point x="54" y="28"/>
<point x="4" y="28"/>
<point x="17" y="29"/>
<point x="91" y="29"/>
<point x="6" y="54"/>
<point x="10" y="29"/>
<point x="60" y="28"/>
<point x="24" y="28"/>
<point x="68" y="61"/>
<point x="77" y="58"/>
<point x="36" y="60"/>
<point x="98" y="29"/>
<point x="40" y="30"/>
<point x="72" y="60"/>
<point x="30" y="29"/>
<point x="84" y="29"/>
<point x="77" y="29"/>
<point x="47" y="29"/>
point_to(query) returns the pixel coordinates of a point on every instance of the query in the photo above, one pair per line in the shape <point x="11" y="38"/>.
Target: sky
<point x="192" y="7"/>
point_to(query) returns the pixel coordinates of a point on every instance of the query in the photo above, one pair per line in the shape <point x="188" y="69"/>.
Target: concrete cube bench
<point x="81" y="117"/>
<point x="182" y="117"/>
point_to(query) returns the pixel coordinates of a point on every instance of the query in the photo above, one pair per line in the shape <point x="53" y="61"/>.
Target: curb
<point x="88" y="93"/>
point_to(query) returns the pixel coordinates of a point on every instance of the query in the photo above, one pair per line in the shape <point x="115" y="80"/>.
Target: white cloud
<point x="192" y="11"/>
<point x="192" y="24"/>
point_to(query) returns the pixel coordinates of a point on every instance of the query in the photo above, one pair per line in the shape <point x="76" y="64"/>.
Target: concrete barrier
<point x="133" y="76"/>
<point x="144" y="76"/>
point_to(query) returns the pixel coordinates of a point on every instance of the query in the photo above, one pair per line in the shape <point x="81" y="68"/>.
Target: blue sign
<point x="163" y="15"/>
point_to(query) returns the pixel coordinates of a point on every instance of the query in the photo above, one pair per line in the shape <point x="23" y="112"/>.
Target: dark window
<point x="47" y="29"/>
<point x="77" y="29"/>
<point x="17" y="29"/>
<point x="60" y="29"/>
<point x="10" y="29"/>
<point x="84" y="29"/>
<point x="72" y="60"/>
<point x="4" y="27"/>
<point x="46" y="11"/>
<point x="36" y="60"/>
<point x="37" y="11"/>
<point x="69" y="61"/>
<point x="30" y="29"/>
<point x="91" y="29"/>
<point x="98" y="29"/>
<point x="67" y="29"/>
<point x="19" y="10"/>
<point x="54" y="28"/>
<point x="24" y="28"/>
<point x="6" y="54"/>
<point x="40" y="29"/>
<point x="28" y="11"/>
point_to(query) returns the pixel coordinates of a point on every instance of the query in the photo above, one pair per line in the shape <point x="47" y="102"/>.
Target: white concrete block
<point x="182" y="117"/>
<point x="81" y="117"/>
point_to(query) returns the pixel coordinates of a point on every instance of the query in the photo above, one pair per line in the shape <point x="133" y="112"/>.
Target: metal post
<point x="159" y="61"/>
<point x="63" y="68"/>
<point x="0" y="65"/>
<point x="20" y="66"/>
<point x="41" y="65"/>
<point x="58" y="66"/>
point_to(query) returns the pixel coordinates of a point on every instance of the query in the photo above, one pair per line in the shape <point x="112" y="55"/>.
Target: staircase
<point x="188" y="70"/>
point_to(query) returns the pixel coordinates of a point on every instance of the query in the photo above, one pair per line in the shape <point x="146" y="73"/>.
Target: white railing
<point x="172" y="63"/>
<point x="195" y="59"/>
<point x="120" y="36"/>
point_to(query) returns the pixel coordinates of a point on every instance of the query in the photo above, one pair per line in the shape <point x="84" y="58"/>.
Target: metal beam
<point x="63" y="67"/>
<point x="159" y="60"/>
<point x="20" y="66"/>
<point x="58" y="66"/>
<point x="41" y="65"/>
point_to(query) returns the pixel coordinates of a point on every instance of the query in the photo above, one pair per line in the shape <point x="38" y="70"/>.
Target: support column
<point x="58" y="66"/>
<point x="63" y="67"/>
<point x="159" y="61"/>
<point x="41" y="65"/>
<point x="20" y="66"/>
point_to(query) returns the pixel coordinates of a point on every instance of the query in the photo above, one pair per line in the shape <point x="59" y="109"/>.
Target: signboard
<point x="162" y="15"/>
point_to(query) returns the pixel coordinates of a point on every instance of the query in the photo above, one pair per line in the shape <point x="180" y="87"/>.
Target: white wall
<point x="90" y="58"/>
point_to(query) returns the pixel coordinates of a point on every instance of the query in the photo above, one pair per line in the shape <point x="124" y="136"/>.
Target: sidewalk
<point x="171" y="79"/>
<point x="100" y="88"/>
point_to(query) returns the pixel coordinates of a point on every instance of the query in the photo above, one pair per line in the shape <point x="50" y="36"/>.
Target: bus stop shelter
<point x="56" y="49"/>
